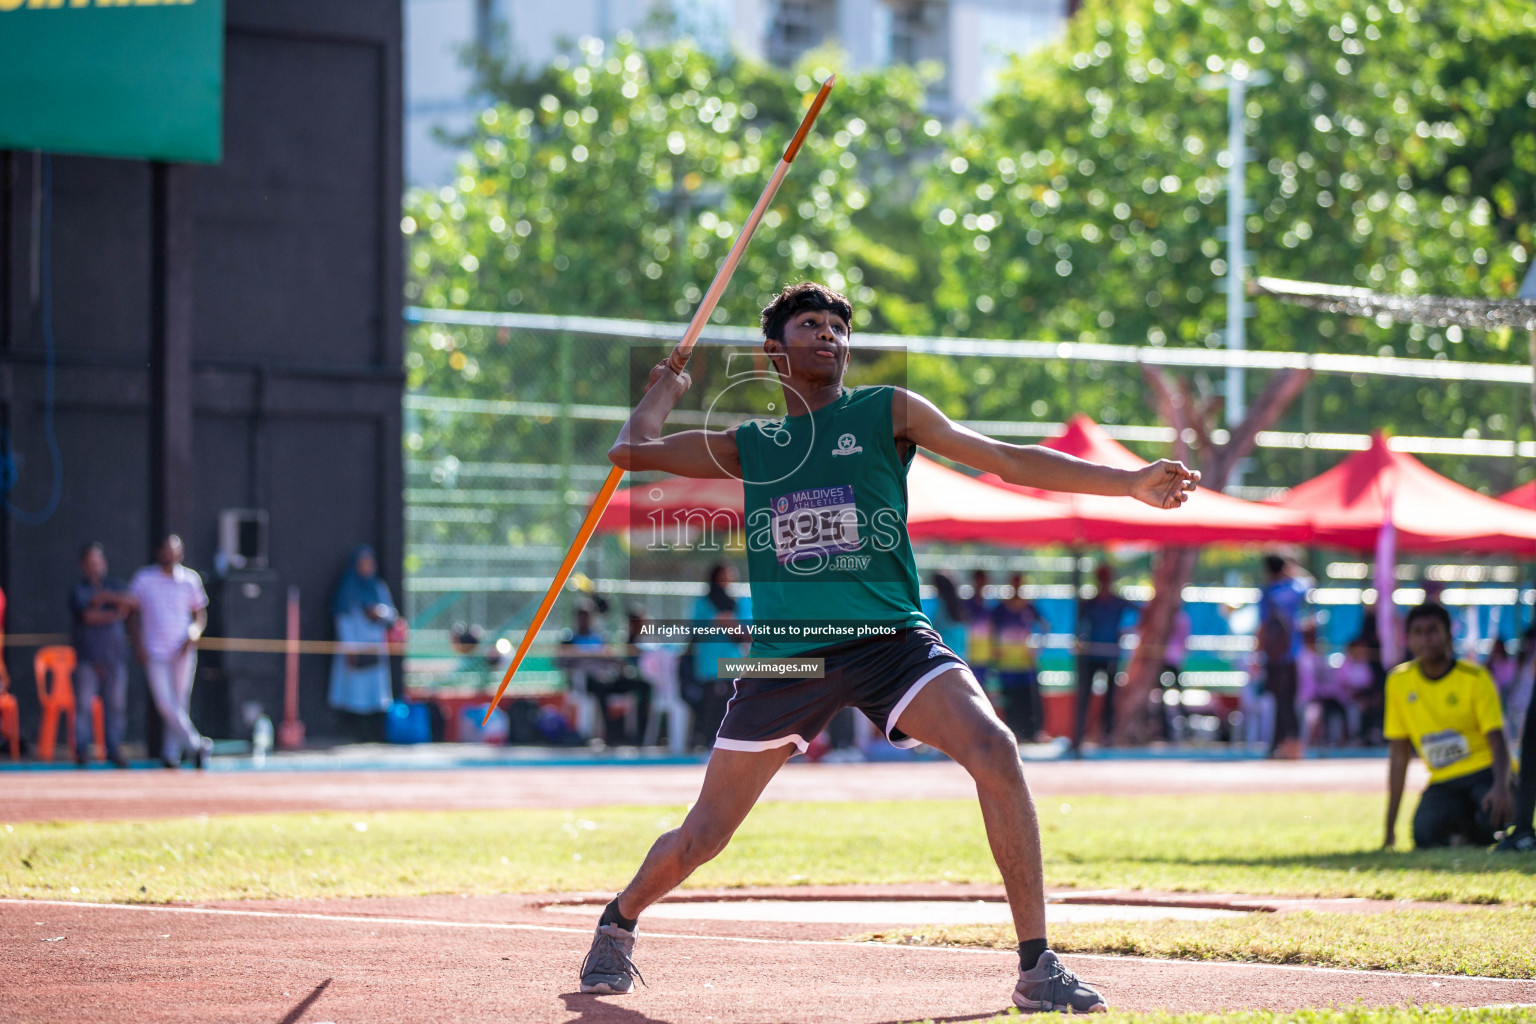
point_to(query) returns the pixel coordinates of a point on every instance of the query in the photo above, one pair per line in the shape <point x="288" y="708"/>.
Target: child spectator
<point x="1330" y="692"/>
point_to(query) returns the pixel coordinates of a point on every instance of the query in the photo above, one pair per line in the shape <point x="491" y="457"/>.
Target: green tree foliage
<point x="1089" y="203"/>
<point x="1392" y="148"/>
<point x="622" y="186"/>
<point x="613" y="183"/>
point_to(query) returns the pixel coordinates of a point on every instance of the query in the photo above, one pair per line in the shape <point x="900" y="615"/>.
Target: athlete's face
<point x="816" y="342"/>
<point x="1429" y="641"/>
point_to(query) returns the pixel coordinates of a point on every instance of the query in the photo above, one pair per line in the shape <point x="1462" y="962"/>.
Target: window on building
<point x="920" y="33"/>
<point x="798" y="26"/>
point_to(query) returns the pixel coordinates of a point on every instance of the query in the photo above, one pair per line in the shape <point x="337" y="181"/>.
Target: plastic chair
<point x="659" y="665"/>
<point x="10" y="723"/>
<point x="585" y="705"/>
<point x="408" y="723"/>
<point x="56" y="665"/>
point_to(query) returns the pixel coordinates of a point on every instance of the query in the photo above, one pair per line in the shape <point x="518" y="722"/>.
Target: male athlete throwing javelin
<point x="825" y="514"/>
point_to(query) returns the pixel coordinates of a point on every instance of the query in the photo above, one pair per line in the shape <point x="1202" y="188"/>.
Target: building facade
<point x="218" y="337"/>
<point x="969" y="40"/>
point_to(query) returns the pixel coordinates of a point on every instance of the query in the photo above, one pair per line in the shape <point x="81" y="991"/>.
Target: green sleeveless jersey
<point x="826" y="525"/>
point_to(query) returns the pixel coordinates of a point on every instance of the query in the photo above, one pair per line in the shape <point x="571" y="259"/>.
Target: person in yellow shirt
<point x="1014" y="620"/>
<point x="1448" y="711"/>
<point x="978" y="634"/>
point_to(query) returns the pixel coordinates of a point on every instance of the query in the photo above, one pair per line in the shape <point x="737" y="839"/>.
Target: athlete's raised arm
<point x="1163" y="484"/>
<point x="695" y="453"/>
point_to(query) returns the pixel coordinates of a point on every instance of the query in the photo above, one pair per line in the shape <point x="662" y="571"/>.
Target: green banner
<point x="127" y="78"/>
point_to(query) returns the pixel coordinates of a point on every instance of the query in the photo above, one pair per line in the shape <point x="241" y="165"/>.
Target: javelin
<point x="678" y="361"/>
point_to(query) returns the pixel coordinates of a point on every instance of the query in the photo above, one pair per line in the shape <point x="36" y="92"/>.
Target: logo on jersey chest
<point x="847" y="445"/>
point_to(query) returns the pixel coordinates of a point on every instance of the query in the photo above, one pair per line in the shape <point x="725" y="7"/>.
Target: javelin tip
<point x="810" y="118"/>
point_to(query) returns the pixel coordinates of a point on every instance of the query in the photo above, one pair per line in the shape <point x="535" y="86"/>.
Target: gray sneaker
<point x="1050" y="986"/>
<point x="608" y="969"/>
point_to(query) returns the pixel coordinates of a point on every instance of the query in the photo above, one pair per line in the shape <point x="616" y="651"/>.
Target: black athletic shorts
<point x="878" y="675"/>
<point x="1454" y="808"/>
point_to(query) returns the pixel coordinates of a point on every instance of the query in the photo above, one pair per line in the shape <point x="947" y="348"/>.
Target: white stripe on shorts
<point x="753" y="746"/>
<point x="906" y="698"/>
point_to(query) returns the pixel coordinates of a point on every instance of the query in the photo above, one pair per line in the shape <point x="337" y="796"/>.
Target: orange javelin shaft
<point x="678" y="360"/>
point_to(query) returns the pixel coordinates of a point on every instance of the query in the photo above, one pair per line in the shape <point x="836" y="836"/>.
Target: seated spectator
<point x="1448" y="711"/>
<point x="590" y="666"/>
<point x="465" y="639"/>
<point x="584" y="649"/>
<point x="1328" y="695"/>
<point x="629" y="682"/>
<point x="1355" y="676"/>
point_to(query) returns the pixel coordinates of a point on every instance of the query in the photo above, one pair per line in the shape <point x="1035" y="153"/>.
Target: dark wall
<point x="226" y="336"/>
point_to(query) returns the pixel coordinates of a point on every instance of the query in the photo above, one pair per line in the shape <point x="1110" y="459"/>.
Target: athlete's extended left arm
<point x="1163" y="484"/>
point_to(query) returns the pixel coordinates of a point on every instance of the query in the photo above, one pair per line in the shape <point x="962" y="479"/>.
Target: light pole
<point x="1236" y="336"/>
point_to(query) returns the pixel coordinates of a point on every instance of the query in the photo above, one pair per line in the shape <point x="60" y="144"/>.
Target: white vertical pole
<point x="1237" y="257"/>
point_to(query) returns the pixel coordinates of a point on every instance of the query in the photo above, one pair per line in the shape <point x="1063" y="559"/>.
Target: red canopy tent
<point x="1524" y="496"/>
<point x="1348" y="505"/>
<point x="1207" y="517"/>
<point x="942" y="505"/>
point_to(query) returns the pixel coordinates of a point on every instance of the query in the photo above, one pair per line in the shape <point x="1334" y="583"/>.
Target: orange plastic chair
<point x="10" y="723"/>
<point x="56" y="665"/>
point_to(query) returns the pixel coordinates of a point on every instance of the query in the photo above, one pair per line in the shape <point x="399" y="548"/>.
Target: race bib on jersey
<point x="820" y="521"/>
<point x="1443" y="749"/>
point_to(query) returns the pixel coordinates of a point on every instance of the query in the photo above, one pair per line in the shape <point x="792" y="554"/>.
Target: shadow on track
<point x="589" y="1008"/>
<point x="297" y="1013"/>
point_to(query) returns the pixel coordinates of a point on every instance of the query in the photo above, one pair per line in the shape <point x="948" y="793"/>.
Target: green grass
<point x="1267" y="844"/>
<point x="1394" y="1015"/>
<point x="1494" y="942"/>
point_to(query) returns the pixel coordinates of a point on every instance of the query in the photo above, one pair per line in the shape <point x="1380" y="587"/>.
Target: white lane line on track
<point x="653" y="936"/>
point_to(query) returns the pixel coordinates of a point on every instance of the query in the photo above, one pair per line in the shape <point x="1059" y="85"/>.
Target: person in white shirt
<point x="172" y="612"/>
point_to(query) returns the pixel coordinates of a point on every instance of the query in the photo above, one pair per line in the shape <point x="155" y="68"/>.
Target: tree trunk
<point x="1175" y="566"/>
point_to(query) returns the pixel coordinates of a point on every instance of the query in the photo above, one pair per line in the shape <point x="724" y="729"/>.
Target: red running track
<point x="495" y="959"/>
<point x="502" y="959"/>
<point x="56" y="795"/>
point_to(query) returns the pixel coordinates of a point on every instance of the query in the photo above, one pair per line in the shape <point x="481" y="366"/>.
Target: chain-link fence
<point x="509" y="419"/>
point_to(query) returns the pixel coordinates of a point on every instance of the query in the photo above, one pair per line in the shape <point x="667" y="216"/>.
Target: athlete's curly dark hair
<point x="797" y="298"/>
<point x="1429" y="610"/>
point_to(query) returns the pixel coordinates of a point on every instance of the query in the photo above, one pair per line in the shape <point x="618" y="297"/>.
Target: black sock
<point x="611" y="915"/>
<point x="1029" y="953"/>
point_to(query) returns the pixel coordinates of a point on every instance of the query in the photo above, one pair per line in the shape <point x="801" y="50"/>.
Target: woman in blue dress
<point x="360" y="687"/>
